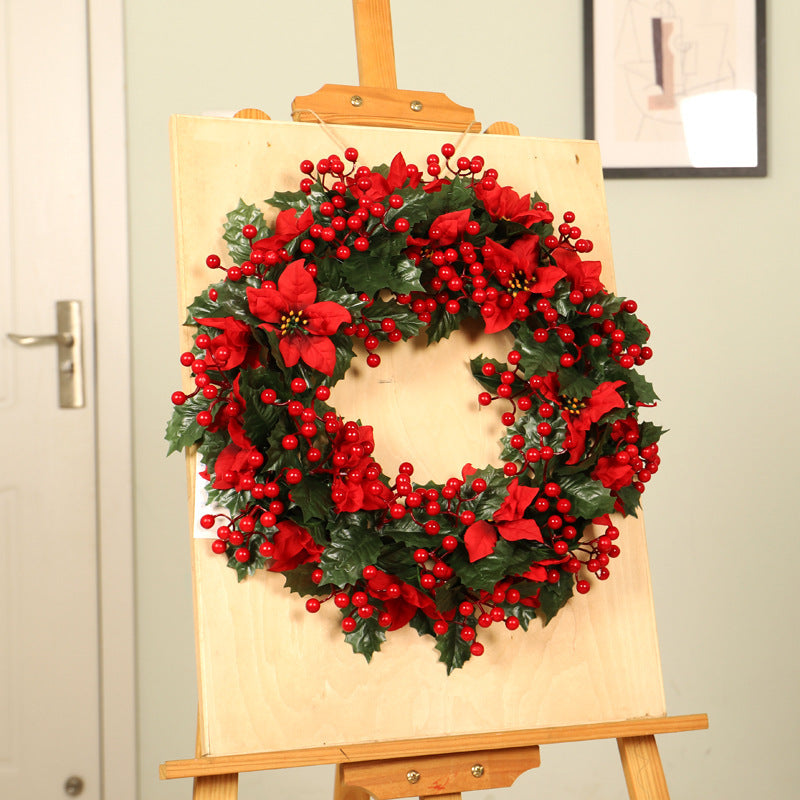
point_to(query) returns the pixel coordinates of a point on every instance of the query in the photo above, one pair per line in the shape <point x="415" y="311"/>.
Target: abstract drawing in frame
<point x="676" y="88"/>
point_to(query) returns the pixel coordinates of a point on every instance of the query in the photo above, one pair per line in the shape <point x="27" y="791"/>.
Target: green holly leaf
<point x="589" y="498"/>
<point x="575" y="384"/>
<point x="353" y="546"/>
<point x="404" y="318"/>
<point x="299" y="200"/>
<point x="259" y="418"/>
<point x="553" y="596"/>
<point x="344" y="355"/>
<point x="630" y="498"/>
<point x="491" y="498"/>
<point x="367" y="638"/>
<point x="454" y="196"/>
<point x="248" y="568"/>
<point x="231" y="302"/>
<point x="538" y="358"/>
<point x="650" y="433"/>
<point x="507" y="559"/>
<point x="313" y="496"/>
<point x="453" y="650"/>
<point x="422" y="624"/>
<point x="525" y="614"/>
<point x="244" y="214"/>
<point x="406" y="532"/>
<point x="490" y="382"/>
<point x="442" y="324"/>
<point x="299" y="580"/>
<point x="642" y="389"/>
<point x="182" y="428"/>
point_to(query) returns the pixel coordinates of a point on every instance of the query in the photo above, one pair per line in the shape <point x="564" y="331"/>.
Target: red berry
<point x="312" y="605"/>
<point x="242" y="555"/>
<point x="218" y="546"/>
<point x="348" y="624"/>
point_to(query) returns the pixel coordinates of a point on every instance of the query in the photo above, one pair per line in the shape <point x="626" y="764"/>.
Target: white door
<point x="49" y="687"/>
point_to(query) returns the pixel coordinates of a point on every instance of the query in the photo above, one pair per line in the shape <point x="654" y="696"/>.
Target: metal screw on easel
<point x="477" y="770"/>
<point x="412" y="776"/>
<point x="416" y="105"/>
<point x="356" y="100"/>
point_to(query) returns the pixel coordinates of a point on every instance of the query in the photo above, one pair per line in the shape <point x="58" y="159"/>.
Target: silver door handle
<point x="69" y="341"/>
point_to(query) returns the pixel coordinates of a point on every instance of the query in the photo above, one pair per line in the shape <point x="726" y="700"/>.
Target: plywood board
<point x="274" y="678"/>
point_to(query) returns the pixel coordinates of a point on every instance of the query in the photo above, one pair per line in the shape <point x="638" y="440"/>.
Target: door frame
<point x="114" y="448"/>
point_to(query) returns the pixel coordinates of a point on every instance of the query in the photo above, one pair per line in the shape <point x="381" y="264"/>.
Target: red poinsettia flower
<point x="233" y="463"/>
<point x="443" y="232"/>
<point x="288" y="226"/>
<point x="356" y="492"/>
<point x="293" y="546"/>
<point x="399" y="175"/>
<point x="518" y="269"/>
<point x="612" y="474"/>
<point x="403" y="602"/>
<point x="509" y="522"/>
<point x="235" y="338"/>
<point x="581" y="413"/>
<point x="502" y="202"/>
<point x="302" y="326"/>
<point x="584" y="275"/>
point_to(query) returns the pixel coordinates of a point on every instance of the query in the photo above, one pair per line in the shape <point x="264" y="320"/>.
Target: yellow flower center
<point x="292" y="321"/>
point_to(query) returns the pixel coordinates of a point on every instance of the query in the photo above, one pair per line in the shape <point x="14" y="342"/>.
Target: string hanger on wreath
<point x="384" y="254"/>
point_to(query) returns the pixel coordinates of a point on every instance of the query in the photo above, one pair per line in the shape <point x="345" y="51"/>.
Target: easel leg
<point x="341" y="791"/>
<point x="644" y="774"/>
<point x="216" y="787"/>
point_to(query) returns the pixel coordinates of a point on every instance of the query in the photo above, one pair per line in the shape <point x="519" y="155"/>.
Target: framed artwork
<point x="676" y="88"/>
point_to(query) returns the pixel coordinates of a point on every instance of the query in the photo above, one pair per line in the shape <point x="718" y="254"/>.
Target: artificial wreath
<point x="381" y="255"/>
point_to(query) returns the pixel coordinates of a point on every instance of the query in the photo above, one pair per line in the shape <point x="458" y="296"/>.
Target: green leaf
<point x="643" y="391"/>
<point x="299" y="200"/>
<point x="574" y="384"/>
<point x="589" y="498"/>
<point x="491" y="498"/>
<point x="367" y="638"/>
<point x="453" y="650"/>
<point x="507" y="559"/>
<point x="248" y="568"/>
<point x="259" y="418"/>
<point x="231" y="302"/>
<point x="525" y="614"/>
<point x="313" y="496"/>
<point x="650" y="433"/>
<point x="352" y="547"/>
<point x="490" y="382"/>
<point x="630" y="499"/>
<point x="553" y="596"/>
<point x="406" y="532"/>
<point x="244" y="214"/>
<point x="299" y="580"/>
<point x="452" y="197"/>
<point x="442" y="324"/>
<point x="182" y="428"/>
<point x="538" y="358"/>
<point x="404" y="318"/>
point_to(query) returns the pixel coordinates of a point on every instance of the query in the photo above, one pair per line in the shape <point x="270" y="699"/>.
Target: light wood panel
<point x="384" y="750"/>
<point x="273" y="678"/>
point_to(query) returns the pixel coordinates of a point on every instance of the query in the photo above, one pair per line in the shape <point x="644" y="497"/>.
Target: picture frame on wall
<point x="676" y="88"/>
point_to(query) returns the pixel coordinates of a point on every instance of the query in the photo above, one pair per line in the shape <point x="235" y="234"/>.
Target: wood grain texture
<point x="383" y="750"/>
<point x="381" y="107"/>
<point x="216" y="787"/>
<point x="641" y="762"/>
<point x="274" y="679"/>
<point x="251" y="113"/>
<point x="503" y="128"/>
<point x="343" y="791"/>
<point x="374" y="43"/>
<point x="441" y="774"/>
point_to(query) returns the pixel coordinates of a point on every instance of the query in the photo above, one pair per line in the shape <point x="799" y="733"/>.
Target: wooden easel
<point x="440" y="766"/>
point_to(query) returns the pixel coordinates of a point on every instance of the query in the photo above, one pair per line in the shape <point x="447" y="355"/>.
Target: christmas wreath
<point x="382" y="255"/>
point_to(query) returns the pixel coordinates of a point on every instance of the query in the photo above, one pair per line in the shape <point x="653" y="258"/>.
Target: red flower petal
<point x="480" y="540"/>
<point x="518" y="529"/>
<point x="267" y="304"/>
<point x="296" y="286"/>
<point x="325" y="318"/>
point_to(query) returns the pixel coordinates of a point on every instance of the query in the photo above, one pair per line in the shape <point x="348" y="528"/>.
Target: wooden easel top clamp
<point x="377" y="101"/>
